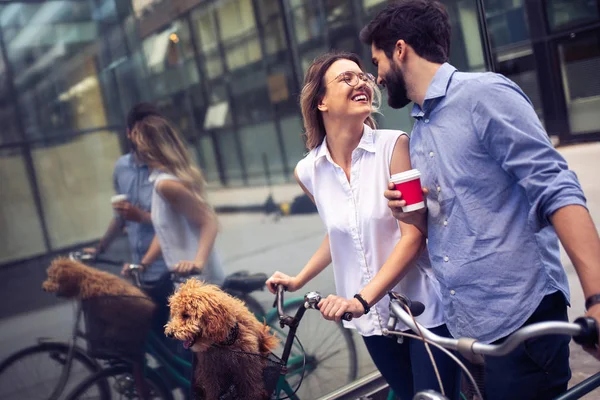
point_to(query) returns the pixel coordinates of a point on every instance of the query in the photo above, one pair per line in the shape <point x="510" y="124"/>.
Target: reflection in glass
<point x="306" y="20"/>
<point x="20" y="228"/>
<point x="567" y="13"/>
<point x="580" y="63"/>
<point x="237" y="28"/>
<point x="260" y="141"/>
<point x="75" y="182"/>
<point x="206" y="31"/>
<point x="511" y="47"/>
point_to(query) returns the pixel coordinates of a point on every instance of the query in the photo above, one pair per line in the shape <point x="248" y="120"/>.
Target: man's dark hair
<point x="423" y="24"/>
<point x="139" y="112"/>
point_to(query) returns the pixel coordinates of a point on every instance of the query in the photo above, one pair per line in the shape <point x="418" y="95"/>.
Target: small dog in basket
<point x="116" y="308"/>
<point x="230" y="345"/>
<point x="72" y="279"/>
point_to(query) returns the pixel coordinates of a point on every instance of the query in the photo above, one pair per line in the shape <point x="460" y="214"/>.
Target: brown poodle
<point x="229" y="343"/>
<point x="72" y="279"/>
<point x="117" y="313"/>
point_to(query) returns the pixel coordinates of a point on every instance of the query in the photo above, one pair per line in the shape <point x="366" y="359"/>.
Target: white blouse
<point x="178" y="237"/>
<point x="362" y="230"/>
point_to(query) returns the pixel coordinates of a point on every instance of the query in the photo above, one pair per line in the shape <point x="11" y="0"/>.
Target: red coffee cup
<point x="409" y="183"/>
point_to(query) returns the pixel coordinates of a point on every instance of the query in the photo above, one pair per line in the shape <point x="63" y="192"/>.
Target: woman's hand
<point x="333" y="308"/>
<point x="279" y="278"/>
<point x="188" y="267"/>
<point x="126" y="271"/>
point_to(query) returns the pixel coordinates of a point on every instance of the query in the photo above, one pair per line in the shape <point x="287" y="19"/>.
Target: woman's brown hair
<point x="314" y="90"/>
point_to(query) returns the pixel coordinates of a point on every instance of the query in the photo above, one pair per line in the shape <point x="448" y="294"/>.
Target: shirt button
<point x="446" y="259"/>
<point x="446" y="224"/>
<point x="452" y="292"/>
<point x="431" y="154"/>
<point x="426" y="120"/>
<point x="439" y="188"/>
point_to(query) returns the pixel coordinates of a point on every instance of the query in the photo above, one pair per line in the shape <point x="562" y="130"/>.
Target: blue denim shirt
<point x="494" y="180"/>
<point x="132" y="179"/>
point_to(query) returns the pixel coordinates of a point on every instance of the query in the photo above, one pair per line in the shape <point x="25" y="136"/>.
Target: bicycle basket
<point x="116" y="326"/>
<point x="273" y="370"/>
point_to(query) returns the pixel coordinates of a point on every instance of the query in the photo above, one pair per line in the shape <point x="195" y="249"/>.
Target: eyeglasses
<point x="353" y="78"/>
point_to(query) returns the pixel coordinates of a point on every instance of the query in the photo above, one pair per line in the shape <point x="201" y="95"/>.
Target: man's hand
<point x="279" y="278"/>
<point x="188" y="267"/>
<point x="417" y="218"/>
<point x="130" y="212"/>
<point x="333" y="308"/>
<point x="594" y="312"/>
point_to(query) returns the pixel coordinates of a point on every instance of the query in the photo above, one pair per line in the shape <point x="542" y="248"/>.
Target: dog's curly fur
<point x="122" y="311"/>
<point x="72" y="279"/>
<point x="203" y="316"/>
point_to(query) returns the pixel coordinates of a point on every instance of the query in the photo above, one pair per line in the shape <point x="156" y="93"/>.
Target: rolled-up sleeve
<point x="510" y="131"/>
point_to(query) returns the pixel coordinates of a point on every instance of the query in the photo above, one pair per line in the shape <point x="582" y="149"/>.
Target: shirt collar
<point x="437" y="88"/>
<point x="366" y="143"/>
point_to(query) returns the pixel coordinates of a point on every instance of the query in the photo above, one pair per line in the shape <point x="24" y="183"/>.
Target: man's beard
<point x="396" y="88"/>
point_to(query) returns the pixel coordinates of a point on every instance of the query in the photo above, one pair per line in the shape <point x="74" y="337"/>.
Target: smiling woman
<point x="345" y="174"/>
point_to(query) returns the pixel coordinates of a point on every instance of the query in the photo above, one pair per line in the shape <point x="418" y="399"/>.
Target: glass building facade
<point x="228" y="73"/>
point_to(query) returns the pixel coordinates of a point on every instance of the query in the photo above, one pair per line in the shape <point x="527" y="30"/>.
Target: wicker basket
<point x="116" y="326"/>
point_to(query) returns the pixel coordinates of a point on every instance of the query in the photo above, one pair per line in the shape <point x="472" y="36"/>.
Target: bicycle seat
<point x="243" y="281"/>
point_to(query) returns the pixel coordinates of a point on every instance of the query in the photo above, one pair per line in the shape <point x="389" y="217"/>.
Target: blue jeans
<point x="407" y="367"/>
<point x="538" y="368"/>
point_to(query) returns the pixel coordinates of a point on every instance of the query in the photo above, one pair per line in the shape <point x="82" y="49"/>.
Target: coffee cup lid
<point x="405" y="176"/>
<point x="118" y="197"/>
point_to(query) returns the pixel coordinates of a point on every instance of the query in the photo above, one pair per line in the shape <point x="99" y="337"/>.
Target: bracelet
<point x="363" y="302"/>
<point x="592" y="301"/>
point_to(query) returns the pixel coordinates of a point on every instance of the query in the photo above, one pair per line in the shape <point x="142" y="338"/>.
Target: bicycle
<point x="583" y="330"/>
<point x="296" y="363"/>
<point x="177" y="370"/>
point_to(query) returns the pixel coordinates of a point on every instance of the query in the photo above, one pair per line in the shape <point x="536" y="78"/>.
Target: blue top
<point x="132" y="179"/>
<point x="494" y="180"/>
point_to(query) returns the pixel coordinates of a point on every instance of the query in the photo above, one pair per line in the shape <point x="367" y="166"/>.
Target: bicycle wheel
<point x="331" y="360"/>
<point x="35" y="372"/>
<point x="122" y="386"/>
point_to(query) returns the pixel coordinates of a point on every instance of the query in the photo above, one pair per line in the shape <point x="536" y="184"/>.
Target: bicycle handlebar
<point x="584" y="332"/>
<point x="83" y="257"/>
<point x="311" y="300"/>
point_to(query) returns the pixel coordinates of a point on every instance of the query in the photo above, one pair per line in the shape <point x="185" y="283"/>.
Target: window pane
<point x="260" y="141"/>
<point x="20" y="227"/>
<point x="566" y="13"/>
<point x="306" y="20"/>
<point x="291" y="130"/>
<point x="506" y="22"/>
<point x="466" y="51"/>
<point x="208" y="159"/>
<point x="231" y="161"/>
<point x="206" y="31"/>
<point x="57" y="50"/>
<point x="237" y="27"/>
<point x="75" y="183"/>
<point x="272" y="22"/>
<point x="511" y="47"/>
<point x="580" y="63"/>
